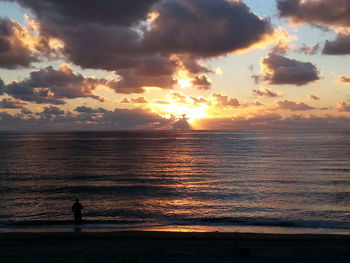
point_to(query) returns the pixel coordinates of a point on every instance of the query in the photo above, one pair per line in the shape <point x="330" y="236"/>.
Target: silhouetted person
<point x="76" y="208"/>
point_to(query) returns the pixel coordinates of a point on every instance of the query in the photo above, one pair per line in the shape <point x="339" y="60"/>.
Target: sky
<point x="174" y="64"/>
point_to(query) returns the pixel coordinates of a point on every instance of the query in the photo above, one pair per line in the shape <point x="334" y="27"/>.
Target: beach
<point x="151" y="246"/>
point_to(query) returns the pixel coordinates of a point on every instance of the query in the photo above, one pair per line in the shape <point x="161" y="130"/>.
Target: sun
<point x="173" y="108"/>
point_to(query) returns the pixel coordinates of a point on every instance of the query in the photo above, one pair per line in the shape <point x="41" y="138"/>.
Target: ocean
<point x="176" y="178"/>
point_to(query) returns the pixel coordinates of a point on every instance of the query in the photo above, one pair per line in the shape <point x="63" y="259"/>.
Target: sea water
<point x="178" y="178"/>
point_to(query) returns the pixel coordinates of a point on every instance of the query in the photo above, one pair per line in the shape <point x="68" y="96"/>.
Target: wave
<point x="218" y="221"/>
<point x="245" y="221"/>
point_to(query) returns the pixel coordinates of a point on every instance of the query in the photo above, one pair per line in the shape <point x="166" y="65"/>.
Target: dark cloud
<point x="344" y="79"/>
<point x="205" y="28"/>
<point x="181" y="124"/>
<point x="195" y="27"/>
<point x="14" y="52"/>
<point x="225" y="101"/>
<point x="194" y="65"/>
<point x="113" y="35"/>
<point x="11" y="104"/>
<point x="96" y="34"/>
<point x="106" y="12"/>
<point x="85" y="109"/>
<point x="53" y="86"/>
<point x="201" y="82"/>
<point x="266" y="93"/>
<point x="313" y="97"/>
<point x="52" y="110"/>
<point x="158" y="65"/>
<point x="257" y="78"/>
<point x="2" y="87"/>
<point x="110" y="48"/>
<point x="155" y="71"/>
<point x="26" y="112"/>
<point x="122" y="119"/>
<point x="54" y="118"/>
<point x="282" y="70"/>
<point x="321" y="12"/>
<point x="133" y="119"/>
<point x="339" y="46"/>
<point x="309" y="50"/>
<point x="293" y="106"/>
<point x="132" y="82"/>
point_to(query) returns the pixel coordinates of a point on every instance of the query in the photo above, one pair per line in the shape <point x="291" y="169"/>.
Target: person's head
<point x="77" y="200"/>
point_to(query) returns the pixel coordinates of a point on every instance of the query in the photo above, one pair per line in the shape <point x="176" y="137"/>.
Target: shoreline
<point x="153" y="234"/>
<point x="111" y="228"/>
<point x="161" y="246"/>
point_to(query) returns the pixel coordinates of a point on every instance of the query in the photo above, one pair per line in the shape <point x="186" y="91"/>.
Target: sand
<point x="144" y="246"/>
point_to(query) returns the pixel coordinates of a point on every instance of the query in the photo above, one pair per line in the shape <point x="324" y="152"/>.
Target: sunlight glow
<point x="183" y="79"/>
<point x="179" y="105"/>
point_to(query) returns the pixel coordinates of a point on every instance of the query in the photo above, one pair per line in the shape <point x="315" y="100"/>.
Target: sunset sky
<point x="174" y="64"/>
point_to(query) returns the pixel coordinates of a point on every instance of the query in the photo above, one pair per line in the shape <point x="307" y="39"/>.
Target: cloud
<point x="94" y="35"/>
<point x="106" y="12"/>
<point x="343" y="106"/>
<point x="85" y="109"/>
<point x="131" y="82"/>
<point x="54" y="118"/>
<point x="308" y="50"/>
<point x="139" y="100"/>
<point x="14" y="52"/>
<point x="194" y="65"/>
<point x="11" y="104"/>
<point x="199" y="100"/>
<point x="181" y="124"/>
<point x="313" y="97"/>
<point x="344" y="79"/>
<point x="281" y="48"/>
<point x="2" y="87"/>
<point x="339" y="46"/>
<point x="322" y="13"/>
<point x="112" y="23"/>
<point x="53" y="86"/>
<point x="205" y="28"/>
<point x="178" y="97"/>
<point x="224" y="101"/>
<point x="265" y="93"/>
<point x="293" y="106"/>
<point x="202" y="82"/>
<point x="136" y="118"/>
<point x="273" y="121"/>
<point x="52" y="110"/>
<point x="240" y="123"/>
<point x="278" y="69"/>
<point x="257" y="103"/>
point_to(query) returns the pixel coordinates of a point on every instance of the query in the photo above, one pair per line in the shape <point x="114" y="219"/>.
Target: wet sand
<point x="145" y="246"/>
